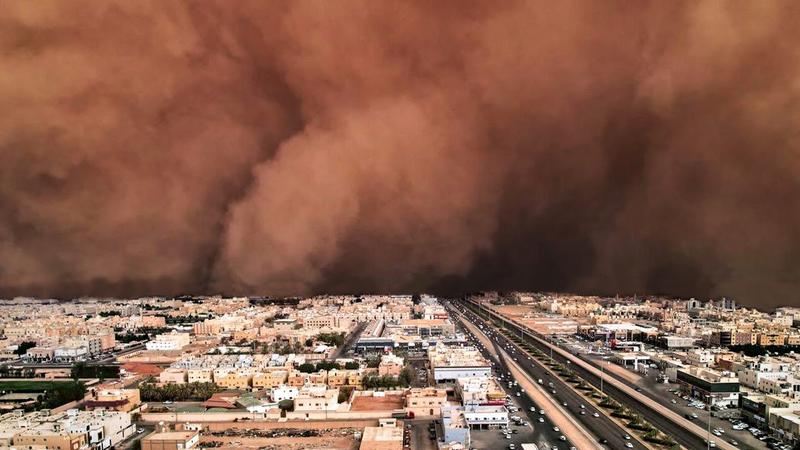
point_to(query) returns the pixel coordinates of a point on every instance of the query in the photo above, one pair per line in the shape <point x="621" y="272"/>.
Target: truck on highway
<point x="529" y="447"/>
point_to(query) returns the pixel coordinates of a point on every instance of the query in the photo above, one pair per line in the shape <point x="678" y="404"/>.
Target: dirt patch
<point x="513" y="311"/>
<point x="304" y="425"/>
<point x="284" y="443"/>
<point x="387" y="403"/>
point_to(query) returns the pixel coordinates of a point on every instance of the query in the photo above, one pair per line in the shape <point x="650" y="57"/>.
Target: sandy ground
<point x="288" y="443"/>
<point x="296" y="425"/>
<point x="579" y="437"/>
<point x="387" y="403"/>
<point x="513" y="311"/>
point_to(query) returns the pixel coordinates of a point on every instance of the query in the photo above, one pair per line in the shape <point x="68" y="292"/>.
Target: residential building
<point x="171" y="440"/>
<point x="426" y="401"/>
<point x="169" y="342"/>
<point x="382" y="438"/>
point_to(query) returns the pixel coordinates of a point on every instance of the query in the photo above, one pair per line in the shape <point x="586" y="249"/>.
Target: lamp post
<point x="708" y="433"/>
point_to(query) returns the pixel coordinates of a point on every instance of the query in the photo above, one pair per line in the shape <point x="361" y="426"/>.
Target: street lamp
<point x="708" y="435"/>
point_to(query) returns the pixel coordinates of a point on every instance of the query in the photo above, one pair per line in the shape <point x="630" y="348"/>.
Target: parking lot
<point x="651" y="383"/>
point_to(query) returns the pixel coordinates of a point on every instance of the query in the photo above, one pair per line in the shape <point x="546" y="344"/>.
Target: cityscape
<point x="392" y="372"/>
<point x="399" y="225"/>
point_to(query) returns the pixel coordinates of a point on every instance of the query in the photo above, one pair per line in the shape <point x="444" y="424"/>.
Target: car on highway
<point x="629" y="445"/>
<point x="556" y="429"/>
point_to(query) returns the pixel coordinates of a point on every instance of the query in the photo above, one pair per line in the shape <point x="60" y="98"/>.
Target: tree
<point x="351" y="365"/>
<point x="327" y="365"/>
<point x="77" y="369"/>
<point x="177" y="392"/>
<point x="286" y="405"/>
<point x="344" y="393"/>
<point x="405" y="377"/>
<point x="333" y="339"/>
<point x="306" y="368"/>
<point x="23" y="347"/>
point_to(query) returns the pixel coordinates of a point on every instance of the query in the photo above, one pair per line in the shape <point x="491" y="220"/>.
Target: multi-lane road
<point x="541" y="433"/>
<point x="592" y="419"/>
<point x="665" y="420"/>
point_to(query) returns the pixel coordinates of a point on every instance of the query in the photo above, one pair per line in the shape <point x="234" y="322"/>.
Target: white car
<point x="556" y="429"/>
<point x="533" y="409"/>
<point x="541" y="420"/>
<point x="629" y="445"/>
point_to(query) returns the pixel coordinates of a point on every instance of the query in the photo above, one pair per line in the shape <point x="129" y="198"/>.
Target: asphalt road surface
<point x="647" y="411"/>
<point x="536" y="432"/>
<point x="602" y="427"/>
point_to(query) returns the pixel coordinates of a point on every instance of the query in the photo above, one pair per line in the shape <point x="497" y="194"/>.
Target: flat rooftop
<point x="170" y="436"/>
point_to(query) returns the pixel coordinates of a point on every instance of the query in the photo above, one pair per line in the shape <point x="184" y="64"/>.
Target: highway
<point x="602" y="427"/>
<point x="109" y="360"/>
<point x="686" y="433"/>
<point x="544" y="434"/>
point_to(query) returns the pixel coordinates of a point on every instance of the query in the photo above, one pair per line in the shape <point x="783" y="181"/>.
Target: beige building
<point x="202" y="375"/>
<point x="172" y="375"/>
<point x="382" y="438"/>
<point x="316" y="398"/>
<point x="426" y="401"/>
<point x="356" y="377"/>
<point x="239" y="379"/>
<point x="172" y="440"/>
<point x="390" y="365"/>
<point x="54" y="439"/>
<point x="765" y="339"/>
<point x="271" y="379"/>
<point x="123" y="400"/>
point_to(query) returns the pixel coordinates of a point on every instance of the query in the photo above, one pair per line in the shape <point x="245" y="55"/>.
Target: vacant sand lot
<point x="387" y="403"/>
